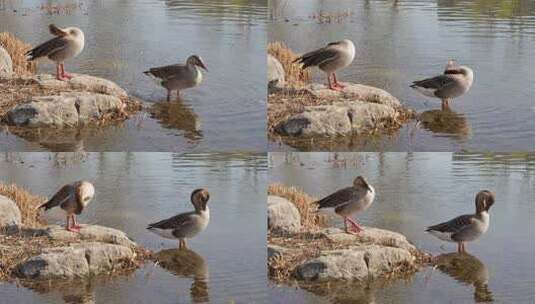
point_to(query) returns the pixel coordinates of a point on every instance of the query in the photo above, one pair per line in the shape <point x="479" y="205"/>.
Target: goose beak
<point x="201" y="64"/>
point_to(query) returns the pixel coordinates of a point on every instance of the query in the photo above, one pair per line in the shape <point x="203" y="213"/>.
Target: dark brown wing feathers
<point x="334" y="200"/>
<point x="58" y="198"/>
<point x="173" y="222"/>
<point x="454" y="225"/>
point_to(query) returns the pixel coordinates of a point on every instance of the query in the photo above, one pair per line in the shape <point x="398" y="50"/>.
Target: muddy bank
<point x="313" y="253"/>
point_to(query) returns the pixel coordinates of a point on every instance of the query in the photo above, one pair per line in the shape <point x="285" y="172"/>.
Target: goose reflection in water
<point x="468" y="269"/>
<point x="177" y="115"/>
<point x="187" y="263"/>
<point x="445" y="122"/>
<point x="72" y="292"/>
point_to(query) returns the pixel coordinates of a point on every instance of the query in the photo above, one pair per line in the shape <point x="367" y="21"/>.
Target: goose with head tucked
<point x="185" y="225"/>
<point x="468" y="227"/>
<point x="329" y="59"/>
<point x="179" y="76"/>
<point x="68" y="43"/>
<point x="73" y="198"/>
<point x="454" y="82"/>
<point x="349" y="201"/>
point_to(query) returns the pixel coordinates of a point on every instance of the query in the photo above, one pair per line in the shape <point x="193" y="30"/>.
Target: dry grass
<point x="293" y="72"/>
<point x="310" y="219"/>
<point x="27" y="204"/>
<point x="17" y="50"/>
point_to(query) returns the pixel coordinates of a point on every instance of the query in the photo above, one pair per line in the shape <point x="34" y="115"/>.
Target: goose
<point x="329" y="59"/>
<point x="73" y="198"/>
<point x="348" y="201"/>
<point x="185" y="225"/>
<point x="68" y="43"/>
<point x="468" y="227"/>
<point x="179" y="76"/>
<point x="454" y="82"/>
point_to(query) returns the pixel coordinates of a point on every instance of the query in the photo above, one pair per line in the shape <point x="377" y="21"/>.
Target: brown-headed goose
<point x="72" y="198"/>
<point x="185" y="225"/>
<point x="455" y="81"/>
<point x="350" y="200"/>
<point x="179" y="76"/>
<point x="329" y="59"/>
<point x="468" y="227"/>
<point x="68" y="43"/>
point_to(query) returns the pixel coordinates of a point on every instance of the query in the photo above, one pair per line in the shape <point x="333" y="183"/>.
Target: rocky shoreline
<point x="302" y="254"/>
<point x="35" y="254"/>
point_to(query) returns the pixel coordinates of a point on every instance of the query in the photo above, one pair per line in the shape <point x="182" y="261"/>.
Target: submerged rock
<point x="79" y="260"/>
<point x="9" y="213"/>
<point x="6" y="64"/>
<point x="283" y="216"/>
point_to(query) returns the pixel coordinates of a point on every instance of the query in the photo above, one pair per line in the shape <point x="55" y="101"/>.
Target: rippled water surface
<point x="401" y="41"/>
<point x="228" y="260"/>
<point x="125" y="38"/>
<point x="416" y="190"/>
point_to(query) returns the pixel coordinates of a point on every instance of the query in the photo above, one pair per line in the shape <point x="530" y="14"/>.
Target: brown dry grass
<point x="17" y="50"/>
<point x="293" y="72"/>
<point x="27" y="204"/>
<point x="310" y="219"/>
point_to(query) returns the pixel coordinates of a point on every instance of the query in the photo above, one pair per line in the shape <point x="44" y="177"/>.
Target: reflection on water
<point x="187" y="263"/>
<point x="124" y="38"/>
<point x="401" y="41"/>
<point x="446" y="122"/>
<point x="466" y="269"/>
<point x="134" y="189"/>
<point x="415" y="190"/>
<point x="179" y="116"/>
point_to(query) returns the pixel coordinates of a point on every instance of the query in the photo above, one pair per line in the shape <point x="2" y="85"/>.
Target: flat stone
<point x="91" y="233"/>
<point x="81" y="82"/>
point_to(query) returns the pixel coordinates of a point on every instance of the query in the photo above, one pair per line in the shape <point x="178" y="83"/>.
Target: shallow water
<point x="401" y="41"/>
<point x="415" y="190"/>
<point x="125" y="38"/>
<point x="228" y="261"/>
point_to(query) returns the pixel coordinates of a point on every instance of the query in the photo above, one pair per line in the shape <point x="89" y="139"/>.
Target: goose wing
<point x="453" y="226"/>
<point x="174" y="222"/>
<point x="341" y="197"/>
<point x="168" y="71"/>
<point x="319" y="56"/>
<point x="47" y="48"/>
<point x="64" y="194"/>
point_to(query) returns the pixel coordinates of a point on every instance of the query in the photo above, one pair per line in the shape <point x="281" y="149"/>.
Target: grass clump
<point x="294" y="74"/>
<point x="17" y="50"/>
<point x="27" y="204"/>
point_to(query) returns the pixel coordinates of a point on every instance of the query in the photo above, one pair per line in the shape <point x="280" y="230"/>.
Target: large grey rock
<point x="340" y="118"/>
<point x="65" y="110"/>
<point x="6" y="64"/>
<point x="76" y="261"/>
<point x="355" y="263"/>
<point x="91" y="233"/>
<point x="275" y="72"/>
<point x="81" y="82"/>
<point x="283" y="216"/>
<point x="9" y="213"/>
<point x="369" y="235"/>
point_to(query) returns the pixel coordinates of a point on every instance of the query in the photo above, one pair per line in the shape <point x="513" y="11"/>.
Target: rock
<point x="90" y="233"/>
<point x="340" y="118"/>
<point x="356" y="263"/>
<point x="76" y="261"/>
<point x="353" y="92"/>
<point x="275" y="72"/>
<point x="82" y="83"/>
<point x="277" y="251"/>
<point x="64" y="110"/>
<point x="283" y="216"/>
<point x="9" y="213"/>
<point x="6" y="65"/>
<point x="369" y="235"/>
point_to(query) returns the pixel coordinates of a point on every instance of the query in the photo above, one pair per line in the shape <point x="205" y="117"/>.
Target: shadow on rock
<point x="467" y="269"/>
<point x="189" y="264"/>
<point x="445" y="122"/>
<point x="177" y="115"/>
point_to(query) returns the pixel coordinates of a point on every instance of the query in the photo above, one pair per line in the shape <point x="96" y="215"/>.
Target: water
<point x="125" y="38"/>
<point x="133" y="189"/>
<point x="401" y="41"/>
<point x="415" y="190"/>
